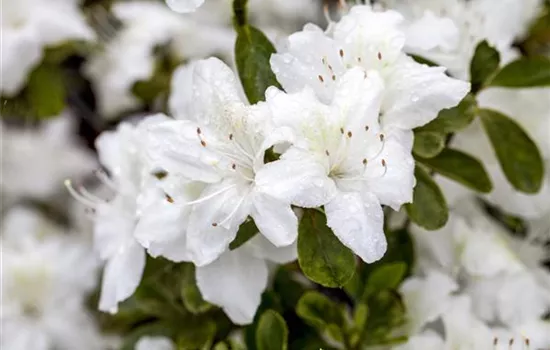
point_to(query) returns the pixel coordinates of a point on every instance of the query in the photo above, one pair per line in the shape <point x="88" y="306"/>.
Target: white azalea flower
<point x="341" y="158"/>
<point x="490" y="266"/>
<point x="116" y="220"/>
<point x="237" y="279"/>
<point x="426" y="299"/>
<point x="28" y="26"/>
<point x="447" y="32"/>
<point x="222" y="144"/>
<point x="46" y="275"/>
<point x="414" y="93"/>
<point x="428" y="340"/>
<point x="129" y="57"/>
<point x="154" y="343"/>
<point x="35" y="162"/>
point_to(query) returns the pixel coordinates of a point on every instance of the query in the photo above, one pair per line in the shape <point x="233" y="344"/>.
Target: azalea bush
<point x="275" y="174"/>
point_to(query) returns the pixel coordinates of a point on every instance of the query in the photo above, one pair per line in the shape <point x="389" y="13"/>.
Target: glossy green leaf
<point x="387" y="276"/>
<point x="196" y="335"/>
<point x="319" y="311"/>
<point x="517" y="154"/>
<point x="46" y="92"/>
<point x="322" y="257"/>
<point x="428" y="144"/>
<point x="454" y="119"/>
<point x="524" y="72"/>
<point x="462" y="168"/>
<point x="247" y="230"/>
<point x="272" y="332"/>
<point x="252" y="53"/>
<point x="429" y="209"/>
<point x="484" y="64"/>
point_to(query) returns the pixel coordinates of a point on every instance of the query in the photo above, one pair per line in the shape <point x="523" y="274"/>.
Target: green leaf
<point x="190" y="294"/>
<point x="360" y="315"/>
<point x="287" y="288"/>
<point x="319" y="311"/>
<point x="462" y="168"/>
<point x="322" y="257"/>
<point x="429" y="209"/>
<point x="272" y="333"/>
<point x="454" y="119"/>
<point x="46" y="90"/>
<point x="196" y="335"/>
<point x="524" y="72"/>
<point x="252" y="53"/>
<point x="484" y="64"/>
<point x="247" y="230"/>
<point x="428" y="144"/>
<point x="387" y="276"/>
<point x="386" y="315"/>
<point x="423" y="60"/>
<point x="517" y="154"/>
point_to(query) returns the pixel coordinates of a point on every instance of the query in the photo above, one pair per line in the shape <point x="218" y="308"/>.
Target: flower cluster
<point x="339" y="137"/>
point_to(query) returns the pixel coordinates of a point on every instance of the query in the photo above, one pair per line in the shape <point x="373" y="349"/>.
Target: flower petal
<point x="297" y="177"/>
<point x="357" y="221"/>
<point x="214" y="223"/>
<point x="416" y="93"/>
<point x="184" y="6"/>
<point x="234" y="282"/>
<point x="262" y="248"/>
<point x="275" y="219"/>
<point x="121" y="277"/>
<point x="176" y="147"/>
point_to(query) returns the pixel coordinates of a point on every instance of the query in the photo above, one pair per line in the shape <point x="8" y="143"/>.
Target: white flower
<point x="414" y="93"/>
<point x="154" y="343"/>
<point x="491" y="266"/>
<point x="447" y="32"/>
<point x="222" y="144"/>
<point x="35" y="162"/>
<point x="28" y="26"/>
<point x="129" y="56"/>
<point x="237" y="279"/>
<point x="115" y="220"/>
<point x="426" y="299"/>
<point x="46" y="275"/>
<point x="340" y="158"/>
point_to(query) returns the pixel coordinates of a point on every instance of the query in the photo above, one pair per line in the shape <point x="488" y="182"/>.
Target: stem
<point x="240" y="13"/>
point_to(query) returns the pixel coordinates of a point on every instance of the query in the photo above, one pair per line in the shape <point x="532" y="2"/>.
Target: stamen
<point x="359" y="59"/>
<point x="199" y="131"/>
<point x="334" y="77"/>
<point x="379" y="56"/>
<point x="326" y="13"/>
<point x="79" y="197"/>
<point x="330" y="67"/>
<point x="350" y="134"/>
<point x="89" y="195"/>
<point x="233" y="166"/>
<point x="230" y="137"/>
<point x="342" y="131"/>
<point x="366" y="128"/>
<point x="214" y="224"/>
<point x="169" y="198"/>
<point x="365" y="161"/>
<point x="327" y="153"/>
<point x="228" y="217"/>
<point x="321" y="78"/>
<point x="105" y="179"/>
<point x="203" y="143"/>
<point x="382" y="137"/>
<point x="210" y="196"/>
<point x="341" y="53"/>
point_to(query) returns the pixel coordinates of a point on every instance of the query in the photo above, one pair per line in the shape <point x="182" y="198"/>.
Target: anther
<point x="324" y="60"/>
<point x="511" y="342"/>
<point x="199" y="131"/>
<point x="380" y="56"/>
<point x="233" y="166"/>
<point x="203" y="143"/>
<point x="495" y="341"/>
<point x="230" y="136"/>
<point x="168" y="198"/>
<point x="350" y="134"/>
<point x="214" y="224"/>
<point x="381" y="137"/>
<point x="383" y="162"/>
<point x="321" y="78"/>
<point x="359" y="59"/>
<point x="327" y="152"/>
<point x="333" y="77"/>
<point x="341" y="53"/>
<point x="330" y="67"/>
<point x="527" y="342"/>
<point x="366" y="128"/>
<point x="342" y="131"/>
<point x="365" y="161"/>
